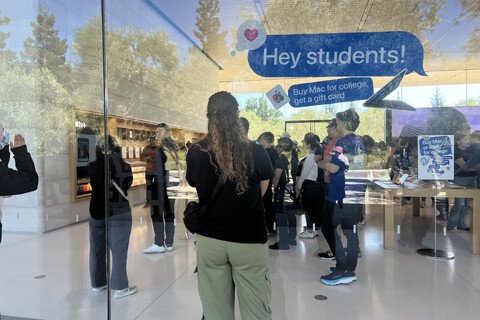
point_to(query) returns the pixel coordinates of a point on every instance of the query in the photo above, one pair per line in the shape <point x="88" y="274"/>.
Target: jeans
<point x="459" y="212"/>
<point x="118" y="241"/>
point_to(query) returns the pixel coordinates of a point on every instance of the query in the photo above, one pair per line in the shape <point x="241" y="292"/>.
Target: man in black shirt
<point x="266" y="140"/>
<point x="287" y="223"/>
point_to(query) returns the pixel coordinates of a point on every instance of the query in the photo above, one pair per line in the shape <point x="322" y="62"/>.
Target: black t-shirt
<point x="121" y="173"/>
<point x="230" y="217"/>
<point x="273" y="154"/>
<point x="282" y="163"/>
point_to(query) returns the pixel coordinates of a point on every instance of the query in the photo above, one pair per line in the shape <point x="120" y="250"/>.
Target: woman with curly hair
<point x="231" y="250"/>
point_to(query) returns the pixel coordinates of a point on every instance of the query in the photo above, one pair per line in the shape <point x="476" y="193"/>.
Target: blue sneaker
<point x="339" y="277"/>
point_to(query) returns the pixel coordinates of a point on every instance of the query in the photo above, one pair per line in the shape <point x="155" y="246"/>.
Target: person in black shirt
<point x="287" y="223"/>
<point x="266" y="140"/>
<point x="13" y="182"/>
<point x="120" y="218"/>
<point x="231" y="250"/>
<point x="163" y="217"/>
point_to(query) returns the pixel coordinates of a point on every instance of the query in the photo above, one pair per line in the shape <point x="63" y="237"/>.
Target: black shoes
<point x="278" y="246"/>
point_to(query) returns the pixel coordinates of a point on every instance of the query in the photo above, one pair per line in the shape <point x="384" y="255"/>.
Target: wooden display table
<point x="417" y="188"/>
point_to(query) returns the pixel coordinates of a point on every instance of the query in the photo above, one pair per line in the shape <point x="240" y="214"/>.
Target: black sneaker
<point x="339" y="277"/>
<point x="277" y="246"/>
<point x="327" y="255"/>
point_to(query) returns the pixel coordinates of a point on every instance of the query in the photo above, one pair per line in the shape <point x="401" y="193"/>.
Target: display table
<point x="182" y="194"/>
<point x="417" y="188"/>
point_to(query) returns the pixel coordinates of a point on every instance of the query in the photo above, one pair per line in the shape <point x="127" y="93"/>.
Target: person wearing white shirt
<point x="310" y="189"/>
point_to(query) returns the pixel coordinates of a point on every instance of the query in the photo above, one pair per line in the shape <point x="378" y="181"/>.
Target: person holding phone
<point x="22" y="180"/>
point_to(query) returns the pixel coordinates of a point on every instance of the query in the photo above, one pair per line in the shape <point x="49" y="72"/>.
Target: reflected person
<point x="119" y="222"/>
<point x="163" y="217"/>
<point x="13" y="182"/>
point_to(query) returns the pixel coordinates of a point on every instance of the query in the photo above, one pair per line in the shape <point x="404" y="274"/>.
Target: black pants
<point x="287" y="227"/>
<point x="279" y="196"/>
<point x="149" y="180"/>
<point x="312" y="198"/>
<point x="163" y="217"/>
<point x="327" y="224"/>
<point x="347" y="217"/>
<point x="270" y="218"/>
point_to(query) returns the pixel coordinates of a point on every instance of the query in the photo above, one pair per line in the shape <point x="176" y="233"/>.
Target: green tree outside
<point x="45" y="49"/>
<point x="6" y="55"/>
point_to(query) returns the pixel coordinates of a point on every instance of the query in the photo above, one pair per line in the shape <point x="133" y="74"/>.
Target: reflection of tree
<point x="208" y="25"/>
<point x="471" y="11"/>
<point x="5" y="54"/>
<point x="416" y="16"/>
<point x="473" y="45"/>
<point x="35" y="104"/>
<point x="140" y="66"/>
<point x="45" y="49"/>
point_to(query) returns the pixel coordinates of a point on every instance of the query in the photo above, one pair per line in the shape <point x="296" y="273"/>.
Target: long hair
<point x="228" y="141"/>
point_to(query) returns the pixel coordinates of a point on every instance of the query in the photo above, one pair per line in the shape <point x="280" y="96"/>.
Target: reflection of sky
<point x="449" y="37"/>
<point x="418" y="118"/>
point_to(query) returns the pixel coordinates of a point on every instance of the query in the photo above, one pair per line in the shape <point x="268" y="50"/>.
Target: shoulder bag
<point x="194" y="213"/>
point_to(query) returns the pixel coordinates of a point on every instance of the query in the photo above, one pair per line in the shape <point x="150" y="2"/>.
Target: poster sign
<point x="332" y="91"/>
<point x="361" y="54"/>
<point x="435" y="157"/>
<point x="277" y="97"/>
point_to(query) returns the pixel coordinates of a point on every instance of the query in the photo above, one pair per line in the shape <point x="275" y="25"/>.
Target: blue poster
<point x="331" y="91"/>
<point x="435" y="157"/>
<point x="338" y="55"/>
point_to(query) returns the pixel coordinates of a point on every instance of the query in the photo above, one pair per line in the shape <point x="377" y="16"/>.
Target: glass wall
<point x="73" y="72"/>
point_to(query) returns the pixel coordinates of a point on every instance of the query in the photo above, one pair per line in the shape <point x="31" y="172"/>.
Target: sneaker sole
<point x="326" y="259"/>
<point x="339" y="281"/>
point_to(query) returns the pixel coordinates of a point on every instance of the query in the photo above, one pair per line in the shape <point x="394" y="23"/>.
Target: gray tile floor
<point x="392" y="284"/>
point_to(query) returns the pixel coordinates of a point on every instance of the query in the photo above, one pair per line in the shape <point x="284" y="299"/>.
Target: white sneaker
<point x="98" y="289"/>
<point x="308" y="234"/>
<point x="154" y="249"/>
<point x="304" y="234"/>
<point x="169" y="248"/>
<point x="125" y="292"/>
<point x="312" y="234"/>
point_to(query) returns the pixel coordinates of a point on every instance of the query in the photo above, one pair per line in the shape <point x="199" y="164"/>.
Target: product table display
<point x="418" y="188"/>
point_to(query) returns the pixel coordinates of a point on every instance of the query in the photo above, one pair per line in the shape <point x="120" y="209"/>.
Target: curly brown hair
<point x="227" y="140"/>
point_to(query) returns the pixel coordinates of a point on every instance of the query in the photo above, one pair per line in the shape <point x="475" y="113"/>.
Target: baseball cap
<point x="308" y="135"/>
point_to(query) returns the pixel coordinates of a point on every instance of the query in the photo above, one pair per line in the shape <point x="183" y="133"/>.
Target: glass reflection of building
<point x="163" y="62"/>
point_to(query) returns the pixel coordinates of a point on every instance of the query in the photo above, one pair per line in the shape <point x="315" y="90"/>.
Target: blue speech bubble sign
<point x="338" y="55"/>
<point x="331" y="91"/>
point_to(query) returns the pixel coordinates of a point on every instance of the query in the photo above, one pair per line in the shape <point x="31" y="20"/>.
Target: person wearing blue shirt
<point x="344" y="271"/>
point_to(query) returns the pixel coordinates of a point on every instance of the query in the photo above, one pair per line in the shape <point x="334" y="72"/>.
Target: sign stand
<point x="435" y="254"/>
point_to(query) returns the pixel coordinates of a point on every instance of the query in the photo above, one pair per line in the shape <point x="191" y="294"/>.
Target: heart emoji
<point x="251" y="34"/>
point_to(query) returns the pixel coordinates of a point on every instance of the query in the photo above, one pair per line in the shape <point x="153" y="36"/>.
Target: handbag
<point x="195" y="212"/>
